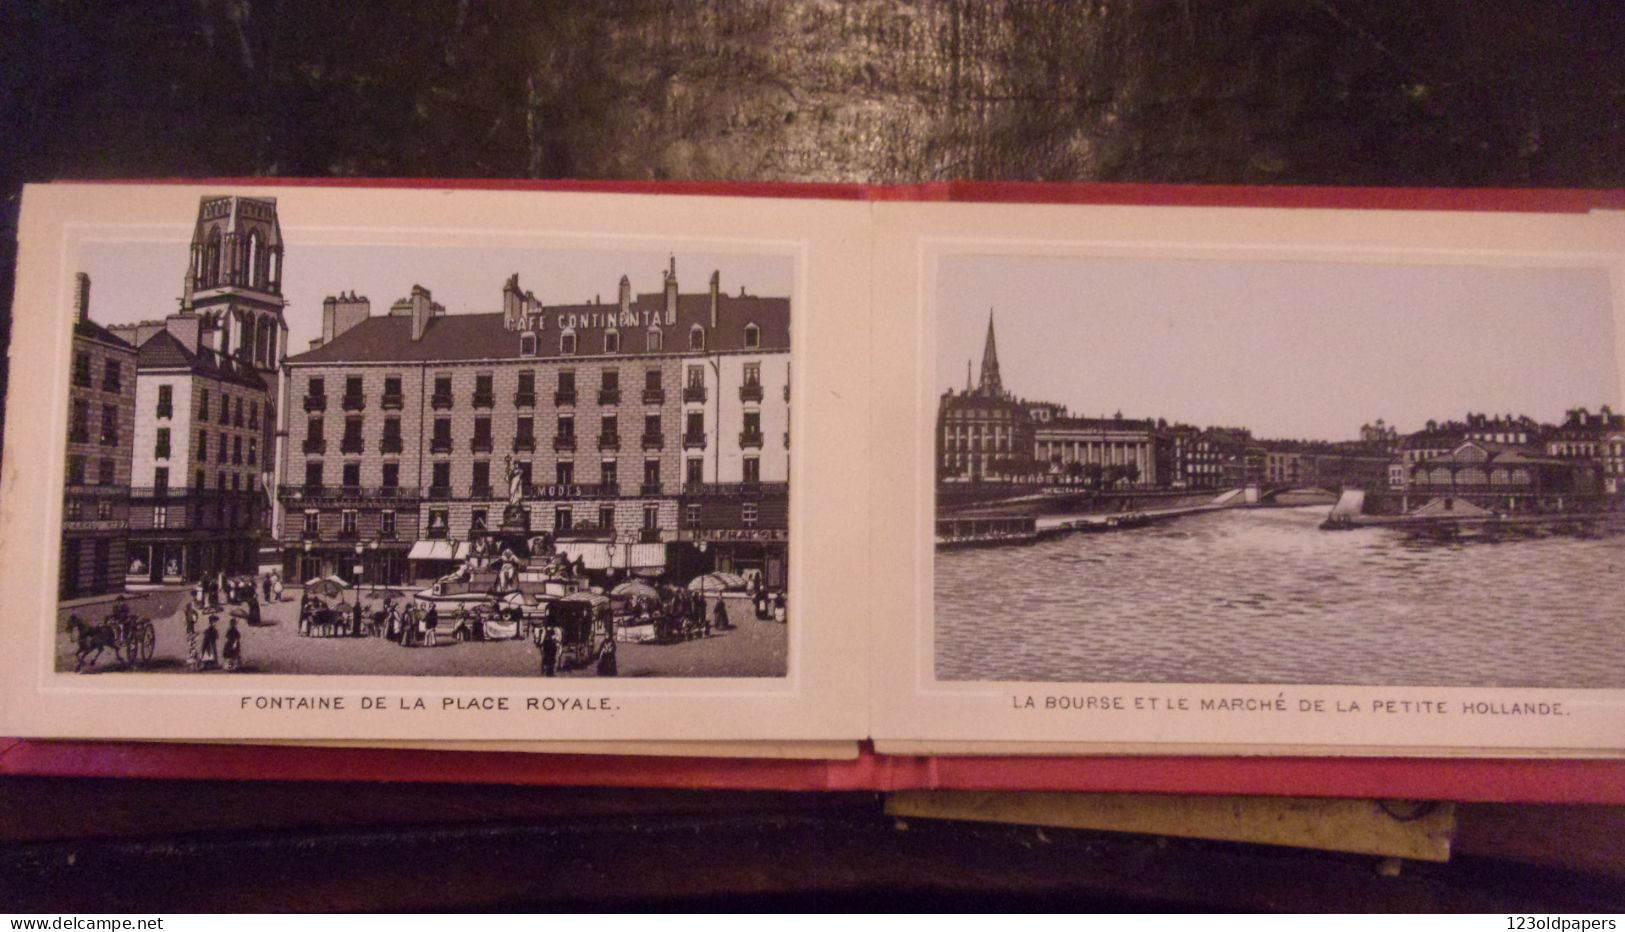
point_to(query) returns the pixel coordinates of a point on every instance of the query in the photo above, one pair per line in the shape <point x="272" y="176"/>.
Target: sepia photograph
<point x="400" y="459"/>
<point x="1171" y="470"/>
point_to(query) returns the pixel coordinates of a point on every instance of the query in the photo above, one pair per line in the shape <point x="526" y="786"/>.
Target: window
<point x="347" y="523"/>
<point x="651" y="425"/>
<point x="237" y="414"/>
<point x="527" y="344"/>
<point x="112" y="376"/>
<point x="524" y="437"/>
<point x="392" y="475"/>
<point x="104" y="510"/>
<point x="696" y="337"/>
<point x="225" y="408"/>
<point x="237" y="450"/>
<point x="482" y="435"/>
<point x="76" y="470"/>
<point x="81" y="369"/>
<point x="484" y="397"/>
<point x="651" y="472"/>
<point x="386" y="523"/>
<point x="651" y="516"/>
<point x="753" y="422"/>
<point x="441" y="476"/>
<point x="609" y="426"/>
<point x="198" y="480"/>
<point x="567" y="381"/>
<point x="654" y="340"/>
<point x="351" y="475"/>
<point x="612" y="341"/>
<point x="752" y="469"/>
<point x="477" y="519"/>
<point x="753" y="336"/>
<point x="482" y="479"/>
<point x="104" y="472"/>
<point x="747" y="514"/>
<point x="611" y="381"/>
<point x="691" y="516"/>
<point x="562" y="518"/>
<point x="696" y="377"/>
<point x="441" y="442"/>
<point x="606" y="517"/>
<point x="203" y="404"/>
<point x="254" y="415"/>
<point x="694" y="425"/>
<point x="524" y="473"/>
<point x="437" y="525"/>
<point x="391" y="442"/>
<point x="161" y="447"/>
<point x="160" y="516"/>
<point x="564" y="472"/>
<point x="352" y="435"/>
<point x="72" y="510"/>
<point x="442" y="392"/>
<point x="567" y="425"/>
<point x="313" y="474"/>
<point x="109" y="425"/>
<point x="526" y="395"/>
<point x="610" y="475"/>
<point x="160" y="480"/>
<point x="696" y="471"/>
<point x="166" y="401"/>
<point x="312" y="523"/>
<point x="79" y="421"/>
<point x="753" y="373"/>
<point x="651" y="380"/>
<point x="316" y="387"/>
<point x="353" y="393"/>
<point x="567" y="343"/>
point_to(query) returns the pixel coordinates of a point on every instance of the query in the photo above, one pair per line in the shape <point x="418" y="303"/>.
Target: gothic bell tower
<point x="234" y="280"/>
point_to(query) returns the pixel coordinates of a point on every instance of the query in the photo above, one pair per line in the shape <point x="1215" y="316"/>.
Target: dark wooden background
<point x="1269" y="92"/>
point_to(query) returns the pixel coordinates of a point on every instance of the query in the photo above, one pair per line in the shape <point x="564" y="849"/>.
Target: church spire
<point x="991" y="384"/>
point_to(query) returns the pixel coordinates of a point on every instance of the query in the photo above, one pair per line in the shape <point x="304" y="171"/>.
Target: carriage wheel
<point x="141" y="651"/>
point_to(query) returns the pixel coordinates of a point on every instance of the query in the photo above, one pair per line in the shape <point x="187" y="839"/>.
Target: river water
<point x="1263" y="596"/>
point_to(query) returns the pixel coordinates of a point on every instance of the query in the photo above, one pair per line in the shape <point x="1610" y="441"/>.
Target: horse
<point x="93" y="639"/>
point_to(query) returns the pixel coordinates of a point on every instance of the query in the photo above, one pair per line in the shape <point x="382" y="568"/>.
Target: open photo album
<point x="1030" y="471"/>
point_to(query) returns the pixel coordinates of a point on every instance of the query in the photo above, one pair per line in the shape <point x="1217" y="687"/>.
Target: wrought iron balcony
<point x="524" y="399"/>
<point x="736" y="489"/>
<point x="354" y="403"/>
<point x="609" y="441"/>
<point x="315" y="402"/>
<point x="564" y="442"/>
<point x="654" y="396"/>
<point x="649" y="535"/>
<point x="439" y="401"/>
<point x="480" y="491"/>
<point x="480" y="445"/>
<point x="351" y="445"/>
<point x="485" y="399"/>
<point x="609" y="396"/>
<point x="315" y="445"/>
<point x="693" y="393"/>
<point x="693" y="441"/>
<point x="654" y="441"/>
<point x="750" y="391"/>
<point x="353" y="493"/>
<point x="564" y="396"/>
<point x="392" y="401"/>
<point x="750" y="438"/>
<point x="649" y="488"/>
<point x="440" y="445"/>
<point x="165" y="411"/>
<point x="439" y="491"/>
<point x="390" y="445"/>
<point x="524" y="444"/>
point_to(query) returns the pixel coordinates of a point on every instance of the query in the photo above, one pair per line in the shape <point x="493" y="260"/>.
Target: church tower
<point x="233" y="282"/>
<point x="991" y="386"/>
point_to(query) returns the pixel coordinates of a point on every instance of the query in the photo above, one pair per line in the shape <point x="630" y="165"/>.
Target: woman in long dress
<point x="210" y="653"/>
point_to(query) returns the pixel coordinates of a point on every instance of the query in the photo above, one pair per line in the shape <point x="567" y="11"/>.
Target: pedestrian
<point x="392" y="623"/>
<point x="190" y="611"/>
<point x="276" y="586"/>
<point x="719" y="617"/>
<point x="431" y="621"/>
<point x="210" y="655"/>
<point x="355" y="618"/>
<point x="607" y="665"/>
<point x="197" y="594"/>
<point x="253" y="612"/>
<point x="266" y="585"/>
<point x="780" y="612"/>
<point x="762" y="602"/>
<point x="550" y="654"/>
<point x="233" y="652"/>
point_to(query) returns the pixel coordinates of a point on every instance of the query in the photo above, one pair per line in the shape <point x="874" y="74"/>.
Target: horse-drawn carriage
<point x="584" y="624"/>
<point x="131" y="639"/>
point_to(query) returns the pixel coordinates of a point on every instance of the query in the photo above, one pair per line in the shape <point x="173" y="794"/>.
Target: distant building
<point x="101" y="430"/>
<point x="1596" y="438"/>
<point x="984" y="433"/>
<point x="1123" y="450"/>
<point x="1494" y="476"/>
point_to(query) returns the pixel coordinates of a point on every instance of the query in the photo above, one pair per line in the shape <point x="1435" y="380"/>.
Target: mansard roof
<point x="454" y="337"/>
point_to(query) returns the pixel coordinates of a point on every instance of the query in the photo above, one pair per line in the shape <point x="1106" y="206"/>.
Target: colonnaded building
<point x="651" y="435"/>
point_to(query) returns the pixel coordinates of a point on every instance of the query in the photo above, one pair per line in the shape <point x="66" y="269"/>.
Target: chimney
<point x="328" y="307"/>
<point x="81" y="298"/>
<point x="626" y="294"/>
<point x="422" y="309"/>
<point x="512" y="319"/>
<point x="671" y="291"/>
<point x="716" y="285"/>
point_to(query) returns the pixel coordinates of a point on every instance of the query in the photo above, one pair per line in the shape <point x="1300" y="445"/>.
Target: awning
<point x="432" y="550"/>
<point x="595" y="554"/>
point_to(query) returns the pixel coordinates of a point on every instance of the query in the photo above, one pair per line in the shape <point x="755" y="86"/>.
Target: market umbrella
<point x="330" y="587"/>
<point x="718" y="582"/>
<point x="634" y="589"/>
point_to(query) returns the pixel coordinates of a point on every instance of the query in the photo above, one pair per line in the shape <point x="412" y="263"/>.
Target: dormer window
<point x="612" y="341"/>
<point x="696" y="337"/>
<point x="527" y="344"/>
<point x="753" y="336"/>
<point x="567" y="343"/>
<point x="655" y="341"/>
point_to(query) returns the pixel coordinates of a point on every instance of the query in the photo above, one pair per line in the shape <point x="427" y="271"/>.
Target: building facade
<point x="101" y="428"/>
<point x="622" y="429"/>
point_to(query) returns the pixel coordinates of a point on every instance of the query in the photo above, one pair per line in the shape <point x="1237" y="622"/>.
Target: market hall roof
<point x="453" y="337"/>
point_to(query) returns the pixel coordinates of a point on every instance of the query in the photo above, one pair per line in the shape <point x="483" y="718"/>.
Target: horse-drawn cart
<point x="131" y="639"/>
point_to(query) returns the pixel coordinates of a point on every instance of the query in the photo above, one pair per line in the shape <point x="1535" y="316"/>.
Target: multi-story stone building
<point x="101" y="427"/>
<point x="1598" y="438"/>
<point x="622" y="429"/>
<point x="205" y="401"/>
<point x="984" y="432"/>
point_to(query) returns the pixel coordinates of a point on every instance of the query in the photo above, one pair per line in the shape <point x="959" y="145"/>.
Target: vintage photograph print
<point x="1277" y="472"/>
<point x="351" y="459"/>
